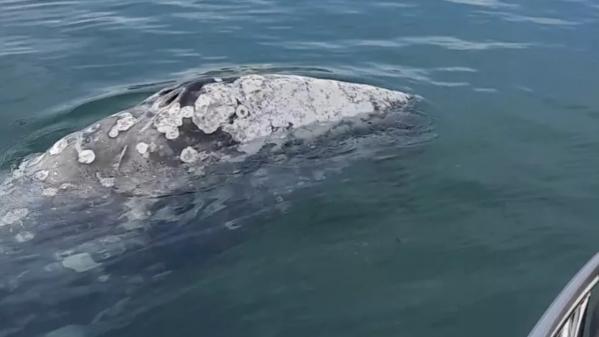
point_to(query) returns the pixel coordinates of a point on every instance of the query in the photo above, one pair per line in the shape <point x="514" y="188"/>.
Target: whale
<point x="92" y="229"/>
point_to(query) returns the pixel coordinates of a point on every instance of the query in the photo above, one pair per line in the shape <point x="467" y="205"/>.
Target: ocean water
<point x="470" y="231"/>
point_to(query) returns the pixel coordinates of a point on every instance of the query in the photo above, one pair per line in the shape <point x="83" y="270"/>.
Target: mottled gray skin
<point x="95" y="221"/>
<point x="191" y="126"/>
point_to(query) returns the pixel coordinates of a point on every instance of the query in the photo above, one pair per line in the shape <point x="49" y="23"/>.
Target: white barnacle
<point x="81" y="262"/>
<point x="142" y="148"/>
<point x="24" y="236"/>
<point x="242" y="111"/>
<point x="187" y="111"/>
<point x="114" y="132"/>
<point x="203" y="102"/>
<point x="58" y="147"/>
<point x="14" y="216"/>
<point x="106" y="182"/>
<point x="41" y="175"/>
<point x="170" y="119"/>
<point x="252" y="83"/>
<point x="86" y="156"/>
<point x="189" y="155"/>
<point x="122" y="124"/>
<point x="172" y="134"/>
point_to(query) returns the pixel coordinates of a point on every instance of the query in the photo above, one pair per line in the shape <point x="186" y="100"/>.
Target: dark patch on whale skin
<point x="191" y="135"/>
<point x="169" y="95"/>
<point x="232" y="118"/>
<point x="188" y="93"/>
<point x="192" y="91"/>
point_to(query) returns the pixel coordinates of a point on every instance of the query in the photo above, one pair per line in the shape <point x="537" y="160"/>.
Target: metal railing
<point x="567" y="315"/>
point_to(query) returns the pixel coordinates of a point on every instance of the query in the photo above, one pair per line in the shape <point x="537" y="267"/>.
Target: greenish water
<point x="470" y="233"/>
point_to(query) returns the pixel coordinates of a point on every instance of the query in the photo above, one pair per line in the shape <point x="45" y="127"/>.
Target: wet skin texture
<point x="90" y="229"/>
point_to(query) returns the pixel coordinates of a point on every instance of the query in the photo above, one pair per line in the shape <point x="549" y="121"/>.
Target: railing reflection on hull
<point x="575" y="311"/>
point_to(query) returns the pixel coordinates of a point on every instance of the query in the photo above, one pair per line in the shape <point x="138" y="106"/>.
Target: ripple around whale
<point x="104" y="253"/>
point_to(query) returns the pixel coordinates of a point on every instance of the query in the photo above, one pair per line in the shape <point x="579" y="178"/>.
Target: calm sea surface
<point x="469" y="233"/>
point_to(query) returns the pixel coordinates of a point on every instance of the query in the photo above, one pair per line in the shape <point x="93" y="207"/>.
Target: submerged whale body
<point x="88" y="228"/>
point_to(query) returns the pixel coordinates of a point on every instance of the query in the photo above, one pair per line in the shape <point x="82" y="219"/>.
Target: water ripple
<point x="446" y="42"/>
<point x="549" y="21"/>
<point x="510" y="86"/>
<point x="484" y="3"/>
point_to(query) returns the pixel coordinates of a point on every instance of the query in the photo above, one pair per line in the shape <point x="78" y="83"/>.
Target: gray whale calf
<point x="90" y="226"/>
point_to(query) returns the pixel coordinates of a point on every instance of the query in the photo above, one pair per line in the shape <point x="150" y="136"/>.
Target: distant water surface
<point x="470" y="233"/>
